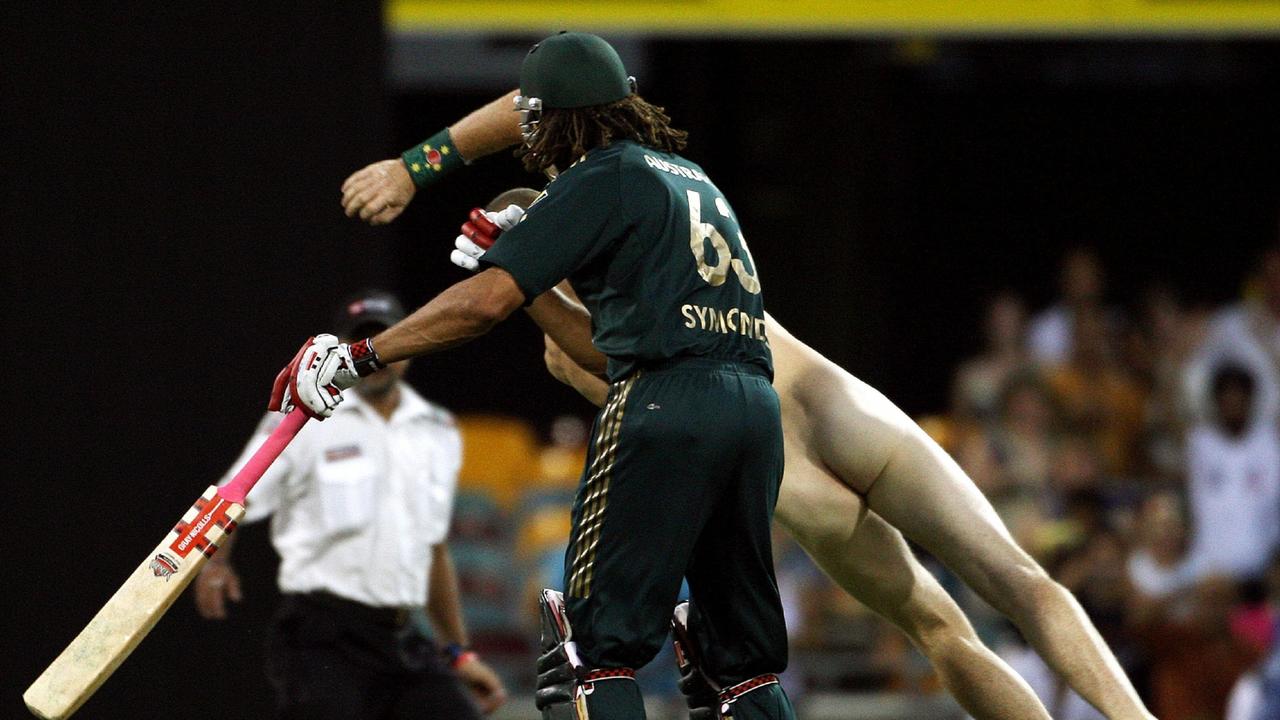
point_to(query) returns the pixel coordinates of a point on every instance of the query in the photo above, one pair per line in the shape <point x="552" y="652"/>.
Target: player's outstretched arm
<point x="324" y="367"/>
<point x="378" y="193"/>
<point x="463" y="312"/>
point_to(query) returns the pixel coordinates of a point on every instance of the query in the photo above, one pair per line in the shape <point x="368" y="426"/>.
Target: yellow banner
<point x="1034" y="17"/>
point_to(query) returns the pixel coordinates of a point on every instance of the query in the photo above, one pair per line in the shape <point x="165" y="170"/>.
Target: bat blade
<point x="134" y="609"/>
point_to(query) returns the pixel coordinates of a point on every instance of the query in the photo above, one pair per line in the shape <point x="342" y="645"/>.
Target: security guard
<point x="360" y="507"/>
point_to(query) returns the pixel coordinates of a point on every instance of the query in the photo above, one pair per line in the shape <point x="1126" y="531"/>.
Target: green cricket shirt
<point x="654" y="251"/>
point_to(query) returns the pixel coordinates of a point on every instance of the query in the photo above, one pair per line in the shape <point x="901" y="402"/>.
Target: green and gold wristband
<point x="432" y="158"/>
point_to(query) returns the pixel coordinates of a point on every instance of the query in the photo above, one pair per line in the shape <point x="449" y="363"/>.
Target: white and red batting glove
<point x="318" y="374"/>
<point x="480" y="232"/>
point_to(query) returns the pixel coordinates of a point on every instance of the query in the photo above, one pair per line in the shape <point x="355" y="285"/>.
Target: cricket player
<point x="687" y="456"/>
<point x="360" y="509"/>
<point x="860" y="475"/>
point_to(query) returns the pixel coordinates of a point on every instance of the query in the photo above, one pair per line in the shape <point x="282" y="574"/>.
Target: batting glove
<point x="318" y="374"/>
<point x="480" y="232"/>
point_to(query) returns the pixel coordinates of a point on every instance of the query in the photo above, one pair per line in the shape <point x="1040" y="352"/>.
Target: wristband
<point x="432" y="158"/>
<point x="365" y="358"/>
<point x="458" y="655"/>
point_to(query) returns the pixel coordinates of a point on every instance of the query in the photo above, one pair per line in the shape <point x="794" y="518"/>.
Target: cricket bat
<point x="140" y="602"/>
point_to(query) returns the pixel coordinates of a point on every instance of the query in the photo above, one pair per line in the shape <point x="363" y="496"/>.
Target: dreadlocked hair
<point x="566" y="134"/>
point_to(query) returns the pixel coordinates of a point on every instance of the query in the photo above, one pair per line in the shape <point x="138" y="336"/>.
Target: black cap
<point x="371" y="307"/>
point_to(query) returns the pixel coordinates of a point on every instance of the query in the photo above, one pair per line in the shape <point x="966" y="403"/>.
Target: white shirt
<point x="1239" y="335"/>
<point x="1234" y="487"/>
<point x="357" y="502"/>
<point x="1248" y="321"/>
<point x="1050" y="335"/>
<point x="1155" y="580"/>
<point x="1246" y="701"/>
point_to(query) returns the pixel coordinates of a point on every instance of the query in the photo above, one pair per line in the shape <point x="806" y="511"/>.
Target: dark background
<point x="171" y="233"/>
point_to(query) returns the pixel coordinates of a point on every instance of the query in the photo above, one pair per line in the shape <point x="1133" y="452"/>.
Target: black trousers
<point x="681" y="482"/>
<point x="329" y="657"/>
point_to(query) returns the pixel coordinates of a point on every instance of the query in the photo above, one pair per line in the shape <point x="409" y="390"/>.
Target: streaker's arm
<point x="463" y="312"/>
<point x="568" y="324"/>
<point x="564" y="369"/>
<point x="378" y="193"/>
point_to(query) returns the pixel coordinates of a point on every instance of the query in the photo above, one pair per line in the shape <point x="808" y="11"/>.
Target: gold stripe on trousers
<point x="603" y="432"/>
<point x="596" y="493"/>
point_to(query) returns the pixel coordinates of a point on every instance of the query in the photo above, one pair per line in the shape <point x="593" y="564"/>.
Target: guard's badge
<point x="344" y="452"/>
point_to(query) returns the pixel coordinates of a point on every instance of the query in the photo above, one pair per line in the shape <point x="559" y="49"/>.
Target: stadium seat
<point x="499" y="455"/>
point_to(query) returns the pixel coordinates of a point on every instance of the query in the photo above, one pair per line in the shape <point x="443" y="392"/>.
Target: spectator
<point x="1097" y="395"/>
<point x="1158" y="576"/>
<point x="1157" y="567"/>
<point x="1195" y="658"/>
<point x="1077" y="497"/>
<point x="1157" y="349"/>
<point x="1233" y="477"/>
<point x="1051" y="336"/>
<point x="1023" y="440"/>
<point x="561" y="461"/>
<point x="1075" y="467"/>
<point x="1257" y="318"/>
<point x="980" y="380"/>
<point x="1246" y="334"/>
<point x="1257" y="695"/>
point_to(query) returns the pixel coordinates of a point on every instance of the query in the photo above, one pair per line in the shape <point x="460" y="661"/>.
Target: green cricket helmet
<point x="569" y="70"/>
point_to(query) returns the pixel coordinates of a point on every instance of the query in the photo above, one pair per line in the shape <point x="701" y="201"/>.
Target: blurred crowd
<point x="1132" y="450"/>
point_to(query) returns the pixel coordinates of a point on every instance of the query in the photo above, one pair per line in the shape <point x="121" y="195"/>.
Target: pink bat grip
<point x="243" y="482"/>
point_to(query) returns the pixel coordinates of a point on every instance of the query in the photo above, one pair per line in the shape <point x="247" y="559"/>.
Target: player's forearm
<point x="444" y="605"/>
<point x="489" y="129"/>
<point x="485" y="131"/>
<point x="569" y="325"/>
<point x="464" y="312"/>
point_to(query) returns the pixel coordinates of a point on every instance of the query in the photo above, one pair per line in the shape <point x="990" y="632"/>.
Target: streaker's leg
<point x="871" y="561"/>
<point x="921" y="491"/>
